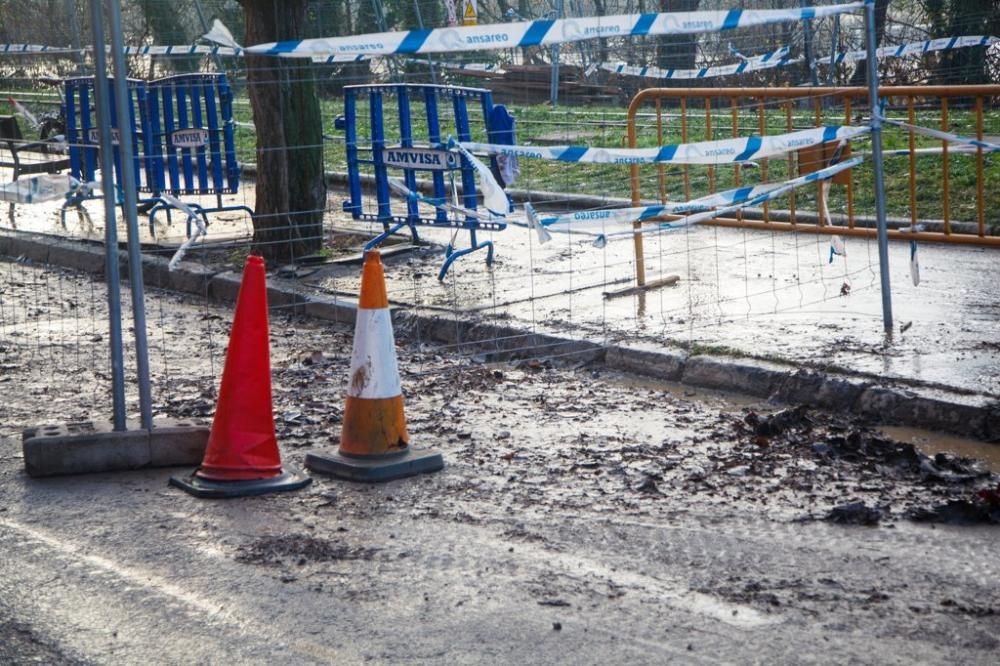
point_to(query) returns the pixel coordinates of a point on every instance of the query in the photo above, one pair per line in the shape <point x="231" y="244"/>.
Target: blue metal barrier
<point x="183" y="132"/>
<point x="192" y="145"/>
<point x="84" y="141"/>
<point x="419" y="148"/>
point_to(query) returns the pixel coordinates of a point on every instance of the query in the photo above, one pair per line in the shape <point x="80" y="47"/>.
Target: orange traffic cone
<point x="242" y="455"/>
<point x="374" y="445"/>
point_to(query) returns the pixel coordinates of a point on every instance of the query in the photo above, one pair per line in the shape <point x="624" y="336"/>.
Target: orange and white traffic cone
<point x="242" y="456"/>
<point x="374" y="444"/>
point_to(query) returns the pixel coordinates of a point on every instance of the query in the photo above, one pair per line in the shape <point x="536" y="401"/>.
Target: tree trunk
<point x="677" y="51"/>
<point x="291" y="192"/>
<point x="167" y="28"/>
<point x="860" y="75"/>
<point x="969" y="17"/>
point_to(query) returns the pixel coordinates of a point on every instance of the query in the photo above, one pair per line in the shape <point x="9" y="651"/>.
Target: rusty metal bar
<point x="818" y="118"/>
<point x="708" y="137"/>
<point x="850" y="181"/>
<point x="980" y="195"/>
<point x="684" y="138"/>
<point x="762" y="128"/>
<point x="823" y="91"/>
<point x="660" y="167"/>
<point x="911" y="114"/>
<point x="791" y="164"/>
<point x="640" y="257"/>
<point x="857" y="232"/>
<point x="946" y="191"/>
<point x="761" y="96"/>
<point x="847" y="94"/>
<point x="736" y="133"/>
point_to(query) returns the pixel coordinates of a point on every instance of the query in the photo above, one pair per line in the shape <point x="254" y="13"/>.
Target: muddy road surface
<point x="583" y="516"/>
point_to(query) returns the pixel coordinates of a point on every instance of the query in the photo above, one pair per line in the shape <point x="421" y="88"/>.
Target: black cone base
<point x="372" y="469"/>
<point x="289" y="479"/>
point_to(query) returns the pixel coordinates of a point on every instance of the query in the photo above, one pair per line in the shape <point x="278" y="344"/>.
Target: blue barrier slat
<point x="155" y="142"/>
<point x="72" y="135"/>
<point x="116" y="151"/>
<point x="215" y="131"/>
<point x="406" y="141"/>
<point x="351" y="143"/>
<point x="173" y="166"/>
<point x="229" y="135"/>
<point x="197" y="121"/>
<point x="90" y="151"/>
<point x="137" y="97"/>
<point x="378" y="144"/>
<point x="184" y="154"/>
<point x="434" y="136"/>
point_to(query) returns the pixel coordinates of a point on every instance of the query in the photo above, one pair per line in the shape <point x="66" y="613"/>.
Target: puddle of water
<point x="721" y="400"/>
<point x="933" y="442"/>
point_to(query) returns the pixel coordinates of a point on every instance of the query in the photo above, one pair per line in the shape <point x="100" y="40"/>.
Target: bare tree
<point x="677" y="51"/>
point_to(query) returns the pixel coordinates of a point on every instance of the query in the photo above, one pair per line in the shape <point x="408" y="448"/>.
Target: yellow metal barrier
<point x="825" y="105"/>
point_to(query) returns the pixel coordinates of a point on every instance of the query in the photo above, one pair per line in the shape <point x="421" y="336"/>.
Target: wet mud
<point x="648" y="521"/>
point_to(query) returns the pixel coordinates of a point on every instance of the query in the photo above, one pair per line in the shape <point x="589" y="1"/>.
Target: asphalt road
<point x="119" y="569"/>
<point x="583" y="517"/>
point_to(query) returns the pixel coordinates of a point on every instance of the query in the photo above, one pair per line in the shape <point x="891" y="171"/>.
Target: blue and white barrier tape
<point x="458" y="66"/>
<point x="339" y="59"/>
<point x="183" y="50"/>
<point x="777" y="58"/>
<point x="915" y="48"/>
<point x="398" y="186"/>
<point x="37" y="49"/>
<point x="945" y="136"/>
<point x="753" y="200"/>
<point x="583" y="222"/>
<point x="151" y="50"/>
<point x="543" y="32"/>
<point x="179" y="50"/>
<point x="720" y="151"/>
<point x="494" y="198"/>
<point x="601" y="219"/>
<point x="200" y="228"/>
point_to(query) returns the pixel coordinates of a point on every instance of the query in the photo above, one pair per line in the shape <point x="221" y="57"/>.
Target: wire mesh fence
<point x="729" y="279"/>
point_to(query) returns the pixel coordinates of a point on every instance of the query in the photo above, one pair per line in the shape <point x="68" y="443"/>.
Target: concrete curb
<point x="916" y="406"/>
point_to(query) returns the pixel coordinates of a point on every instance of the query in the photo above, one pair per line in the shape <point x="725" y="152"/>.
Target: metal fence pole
<point x="130" y="210"/>
<point x="876" y="124"/>
<point x="103" y="101"/>
<point x="554" y="86"/>
<point x="807" y="46"/>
